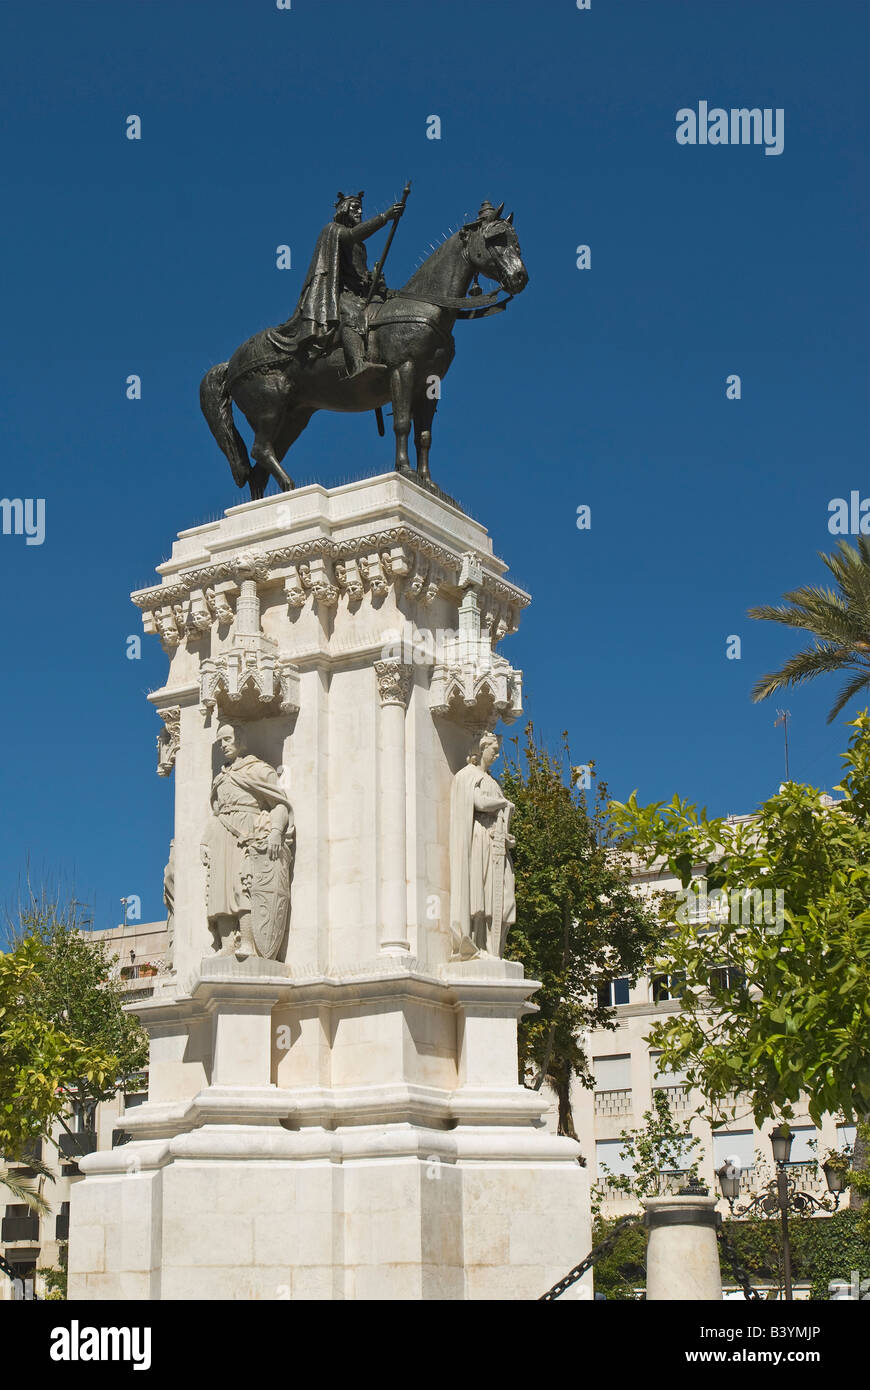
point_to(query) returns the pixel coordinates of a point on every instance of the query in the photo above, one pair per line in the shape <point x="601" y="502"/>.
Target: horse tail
<point x="217" y="407"/>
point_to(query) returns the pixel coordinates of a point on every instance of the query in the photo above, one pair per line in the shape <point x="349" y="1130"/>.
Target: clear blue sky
<point x="604" y="387"/>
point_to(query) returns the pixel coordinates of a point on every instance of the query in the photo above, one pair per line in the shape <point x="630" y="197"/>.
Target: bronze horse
<point x="410" y="333"/>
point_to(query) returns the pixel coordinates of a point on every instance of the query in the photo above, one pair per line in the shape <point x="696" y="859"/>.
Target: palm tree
<point x="22" y="1191"/>
<point x="839" y="621"/>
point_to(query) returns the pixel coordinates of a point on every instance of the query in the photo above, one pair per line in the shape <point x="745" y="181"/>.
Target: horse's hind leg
<point x="266" y="462"/>
<point x="258" y="480"/>
<point x="268" y="417"/>
<point x="424" y="413"/>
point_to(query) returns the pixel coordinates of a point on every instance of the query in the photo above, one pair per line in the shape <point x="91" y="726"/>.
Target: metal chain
<point x="737" y="1269"/>
<point x="602" y="1248"/>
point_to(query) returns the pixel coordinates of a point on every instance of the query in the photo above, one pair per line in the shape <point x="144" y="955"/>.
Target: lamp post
<point x="781" y="1141"/>
<point x="781" y="1195"/>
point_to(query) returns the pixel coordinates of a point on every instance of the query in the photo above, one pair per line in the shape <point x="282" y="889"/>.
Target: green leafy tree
<point x="659" y="1149"/>
<point x="63" y="1035"/>
<point x="791" y="1015"/>
<point x="622" y="1271"/>
<point x="839" y="621"/>
<point x="824" y="1250"/>
<point x="757" y="1245"/>
<point x="830" y="1249"/>
<point x="55" y="1280"/>
<point x="579" y="924"/>
<point x="38" y="1062"/>
<point x="77" y="990"/>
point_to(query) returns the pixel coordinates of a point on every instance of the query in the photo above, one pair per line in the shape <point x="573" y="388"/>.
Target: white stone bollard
<point x="682" y="1258"/>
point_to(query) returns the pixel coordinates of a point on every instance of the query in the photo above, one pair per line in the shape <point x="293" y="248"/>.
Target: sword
<point x="376" y="274"/>
<point x="499" y="850"/>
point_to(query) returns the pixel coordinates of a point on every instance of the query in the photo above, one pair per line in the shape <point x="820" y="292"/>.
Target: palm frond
<point x="817" y="611"/>
<point x="19" y="1189"/>
<point x="805" y="665"/>
<point x="847" y="693"/>
<point x="838" y="619"/>
<point x="850" y="567"/>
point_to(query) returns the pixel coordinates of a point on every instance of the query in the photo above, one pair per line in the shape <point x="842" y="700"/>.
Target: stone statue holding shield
<point x="248" y="850"/>
<point x="482" y="888"/>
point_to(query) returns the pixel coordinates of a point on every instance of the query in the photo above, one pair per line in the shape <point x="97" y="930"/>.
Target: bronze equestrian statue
<point x="354" y="345"/>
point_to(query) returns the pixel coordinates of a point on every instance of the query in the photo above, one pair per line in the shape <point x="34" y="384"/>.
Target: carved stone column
<point x="394" y="687"/>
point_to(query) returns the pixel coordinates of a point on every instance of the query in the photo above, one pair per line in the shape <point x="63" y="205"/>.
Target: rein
<point x="466" y="307"/>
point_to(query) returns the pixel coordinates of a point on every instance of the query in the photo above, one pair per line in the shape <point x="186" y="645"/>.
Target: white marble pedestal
<point x="344" y="1121"/>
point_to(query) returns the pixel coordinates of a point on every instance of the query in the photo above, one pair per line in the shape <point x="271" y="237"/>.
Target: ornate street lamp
<point x="837" y="1181"/>
<point x="729" y="1180"/>
<point x="781" y="1140"/>
<point x="780" y="1195"/>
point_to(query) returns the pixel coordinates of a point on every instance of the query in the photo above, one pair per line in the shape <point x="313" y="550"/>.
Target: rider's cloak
<point x="317" y="313"/>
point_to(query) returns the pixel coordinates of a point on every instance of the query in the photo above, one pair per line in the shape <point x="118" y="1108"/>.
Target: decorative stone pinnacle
<point x="250" y="670"/>
<point x="471" y="571"/>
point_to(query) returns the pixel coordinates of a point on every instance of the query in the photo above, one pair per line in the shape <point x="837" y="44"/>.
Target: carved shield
<point x="270" y="900"/>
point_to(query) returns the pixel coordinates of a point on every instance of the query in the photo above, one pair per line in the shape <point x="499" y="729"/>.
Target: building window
<point x="846" y="1136"/>
<point x="682" y="1156"/>
<point x="607" y="1155"/>
<point x="665" y="1076"/>
<point x="734" y="1143"/>
<point x="82" y="1117"/>
<point x="666" y="987"/>
<point x="613" y="993"/>
<point x="726" y="977"/>
<point x="804" y="1144"/>
<point x="612" y="1073"/>
<point x="61" y="1222"/>
<point x="24" y="1275"/>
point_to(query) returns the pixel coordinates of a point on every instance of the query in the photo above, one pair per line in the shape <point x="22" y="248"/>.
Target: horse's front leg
<point x="424" y="413"/>
<point x="401" y="390"/>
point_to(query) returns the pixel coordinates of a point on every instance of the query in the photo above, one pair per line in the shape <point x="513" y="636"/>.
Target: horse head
<point x="492" y="249"/>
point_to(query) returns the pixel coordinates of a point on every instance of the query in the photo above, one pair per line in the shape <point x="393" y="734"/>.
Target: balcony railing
<point x="616" y="1194"/>
<point x="73" y="1146"/>
<point x="613" y="1102"/>
<point x="806" y="1174"/>
<point x="138" y="972"/>
<point x="748" y="1179"/>
<point x="20" y="1228"/>
<point x="677" y="1095"/>
<point x="672" y="1180"/>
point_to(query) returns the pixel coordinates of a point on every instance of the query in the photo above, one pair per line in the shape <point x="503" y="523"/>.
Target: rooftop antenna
<point x="784" y="717"/>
